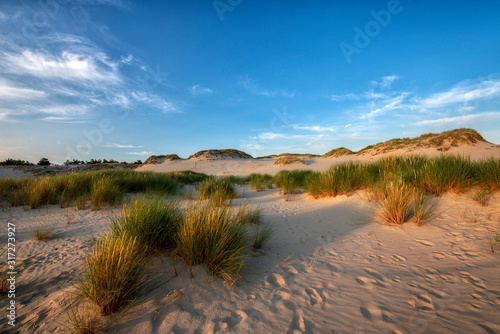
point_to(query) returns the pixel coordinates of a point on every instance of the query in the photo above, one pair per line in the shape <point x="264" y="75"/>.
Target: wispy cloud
<point x="68" y="66"/>
<point x="314" y="128"/>
<point x="385" y="82"/>
<point x="140" y="153"/>
<point x="198" y="90"/>
<point x="388" y="104"/>
<point x="9" y="92"/>
<point x="251" y="86"/>
<point x="461" y="120"/>
<point x="115" y="145"/>
<point x="462" y="93"/>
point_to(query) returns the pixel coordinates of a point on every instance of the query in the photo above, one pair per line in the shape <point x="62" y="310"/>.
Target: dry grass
<point x="482" y="196"/>
<point x="395" y="207"/>
<point x="213" y="236"/>
<point x="113" y="272"/>
<point x="288" y="160"/>
<point x="423" y="209"/>
<point x="246" y="215"/>
<point x="42" y="233"/>
<point x="4" y="283"/>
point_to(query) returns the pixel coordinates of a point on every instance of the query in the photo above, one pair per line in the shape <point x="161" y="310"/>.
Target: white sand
<point x="329" y="268"/>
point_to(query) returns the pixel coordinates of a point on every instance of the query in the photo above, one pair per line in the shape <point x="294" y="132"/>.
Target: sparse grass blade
<point x="482" y="196"/>
<point x="246" y="215"/>
<point x="262" y="234"/>
<point x="422" y="209"/>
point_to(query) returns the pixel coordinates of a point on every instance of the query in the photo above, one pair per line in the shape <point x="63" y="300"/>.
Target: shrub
<point x="218" y="191"/>
<point x="395" y="207"/>
<point x="212" y="235"/>
<point x="150" y="220"/>
<point x="261" y="235"/>
<point x="113" y="272"/>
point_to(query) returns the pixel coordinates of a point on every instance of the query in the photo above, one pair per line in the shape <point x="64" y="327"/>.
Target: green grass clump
<point x="113" y="272"/>
<point x="213" y="236"/>
<point x="443" y="174"/>
<point x="7" y="185"/>
<point x="395" y="207"/>
<point x="42" y="233"/>
<point x="188" y="177"/>
<point x="236" y="179"/>
<point x="105" y="191"/>
<point x="246" y="215"/>
<point x="338" y="180"/>
<point x="260" y="181"/>
<point x="487" y="173"/>
<point x="151" y="220"/>
<point x="290" y="181"/>
<point x="262" y="234"/>
<point x="218" y="191"/>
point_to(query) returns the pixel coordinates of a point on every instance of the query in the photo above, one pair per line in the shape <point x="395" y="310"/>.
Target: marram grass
<point x="152" y="220"/>
<point x="218" y="191"/>
<point x="213" y="236"/>
<point x="113" y="272"/>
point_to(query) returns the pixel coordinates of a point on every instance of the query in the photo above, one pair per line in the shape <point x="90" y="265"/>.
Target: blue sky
<point x="128" y="79"/>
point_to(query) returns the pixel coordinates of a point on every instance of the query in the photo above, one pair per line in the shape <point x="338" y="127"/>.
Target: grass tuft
<point x="218" y="191"/>
<point x="422" y="209"/>
<point x="113" y="272"/>
<point x="262" y="234"/>
<point x="104" y="191"/>
<point x="482" y="196"/>
<point x="395" y="207"/>
<point x="213" y="236"/>
<point x="246" y="215"/>
<point x="151" y="220"/>
<point x="42" y="233"/>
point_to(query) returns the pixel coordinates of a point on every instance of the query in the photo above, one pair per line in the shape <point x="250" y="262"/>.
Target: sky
<point x="123" y="80"/>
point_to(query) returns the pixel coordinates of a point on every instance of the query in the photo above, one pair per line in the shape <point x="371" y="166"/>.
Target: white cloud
<point x="461" y="120"/>
<point x="66" y="110"/>
<point x="57" y="119"/>
<point x="253" y="88"/>
<point x="347" y="97"/>
<point x="69" y="66"/>
<point x="140" y="153"/>
<point x="198" y="90"/>
<point x="388" y="104"/>
<point x="463" y="93"/>
<point x="386" y="81"/>
<point x="9" y="92"/>
<point x="154" y="101"/>
<point x="315" y="128"/>
<point x="115" y="145"/>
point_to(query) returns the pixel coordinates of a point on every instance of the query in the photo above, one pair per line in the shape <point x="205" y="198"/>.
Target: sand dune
<point x="329" y="268"/>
